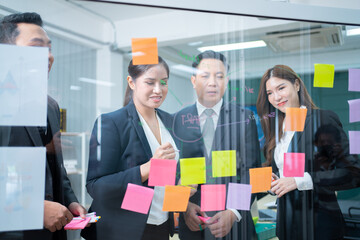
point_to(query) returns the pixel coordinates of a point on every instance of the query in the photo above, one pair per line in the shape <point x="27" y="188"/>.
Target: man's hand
<point x="55" y="216"/>
<point x="77" y="210"/>
<point x="220" y="224"/>
<point x="191" y="217"/>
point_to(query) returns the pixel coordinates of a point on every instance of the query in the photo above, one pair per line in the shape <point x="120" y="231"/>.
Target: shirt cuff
<point x="304" y="183"/>
<point x="238" y="216"/>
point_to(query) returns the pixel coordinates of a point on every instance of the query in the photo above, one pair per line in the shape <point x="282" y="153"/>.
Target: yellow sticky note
<point x="176" y="198"/>
<point x="295" y="119"/>
<point x="144" y="51"/>
<point x="224" y="163"/>
<point x="260" y="179"/>
<point x="192" y="171"/>
<point x="324" y="75"/>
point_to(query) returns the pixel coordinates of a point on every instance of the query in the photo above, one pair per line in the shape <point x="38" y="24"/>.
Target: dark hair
<point x="136" y="71"/>
<point x="209" y="54"/>
<point x="8" y="25"/>
<point x="330" y="130"/>
<point x="264" y="107"/>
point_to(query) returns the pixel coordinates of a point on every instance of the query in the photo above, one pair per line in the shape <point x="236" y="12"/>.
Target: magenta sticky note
<point x="137" y="198"/>
<point x="294" y="164"/>
<point x="354" y="110"/>
<point x="213" y="197"/>
<point x="162" y="172"/>
<point x="354" y="139"/>
<point x="239" y="196"/>
<point x="354" y="80"/>
<point x="77" y="224"/>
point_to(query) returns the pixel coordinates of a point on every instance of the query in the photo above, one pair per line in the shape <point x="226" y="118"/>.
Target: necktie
<point x="208" y="130"/>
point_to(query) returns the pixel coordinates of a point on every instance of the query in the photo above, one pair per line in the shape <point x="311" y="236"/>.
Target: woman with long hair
<point x="307" y="206"/>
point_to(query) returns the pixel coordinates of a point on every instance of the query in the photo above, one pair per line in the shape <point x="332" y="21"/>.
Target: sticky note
<point x="260" y="179"/>
<point x="137" y="198"/>
<point x="354" y="110"/>
<point x="354" y="139"/>
<point x="162" y="172"/>
<point x="213" y="197"/>
<point x="77" y="224"/>
<point x="239" y="196"/>
<point x="224" y="163"/>
<point x="144" y="51"/>
<point x="295" y="119"/>
<point x="192" y="171"/>
<point x="354" y="80"/>
<point x="294" y="164"/>
<point x="324" y="75"/>
<point x="176" y="198"/>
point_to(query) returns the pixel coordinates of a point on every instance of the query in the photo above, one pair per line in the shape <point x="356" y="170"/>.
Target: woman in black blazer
<point x="121" y="146"/>
<point x="307" y="206"/>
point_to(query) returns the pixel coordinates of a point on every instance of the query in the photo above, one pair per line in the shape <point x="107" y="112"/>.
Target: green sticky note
<point x="224" y="163"/>
<point x="324" y="75"/>
<point x="192" y="171"/>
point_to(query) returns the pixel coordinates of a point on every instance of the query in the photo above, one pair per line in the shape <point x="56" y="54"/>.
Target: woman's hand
<point x="282" y="186"/>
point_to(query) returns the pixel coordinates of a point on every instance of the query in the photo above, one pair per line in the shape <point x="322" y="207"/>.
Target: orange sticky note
<point x="144" y="51"/>
<point x="260" y="179"/>
<point x="176" y="198"/>
<point x="295" y="119"/>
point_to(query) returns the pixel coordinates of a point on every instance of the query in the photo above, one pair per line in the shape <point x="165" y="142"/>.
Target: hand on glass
<point x="281" y="186"/>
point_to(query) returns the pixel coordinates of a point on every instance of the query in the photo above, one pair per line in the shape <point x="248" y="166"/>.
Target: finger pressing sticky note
<point x="324" y="75"/>
<point x="192" y="171"/>
<point x="162" y="172"/>
<point x="294" y="164"/>
<point x="260" y="179"/>
<point x="295" y="119"/>
<point x="354" y="110"/>
<point x="77" y="224"/>
<point x="137" y="198"/>
<point x="354" y="139"/>
<point x="176" y="198"/>
<point x="213" y="197"/>
<point x="224" y="163"/>
<point x="354" y="80"/>
<point x="144" y="51"/>
<point x="239" y="196"/>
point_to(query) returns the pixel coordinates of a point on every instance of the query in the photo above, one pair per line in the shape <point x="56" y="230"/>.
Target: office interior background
<point x="91" y="44"/>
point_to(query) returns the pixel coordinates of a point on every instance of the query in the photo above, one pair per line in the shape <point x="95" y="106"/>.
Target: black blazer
<point x="57" y="184"/>
<point x="315" y="214"/>
<point x="118" y="147"/>
<point x="236" y="130"/>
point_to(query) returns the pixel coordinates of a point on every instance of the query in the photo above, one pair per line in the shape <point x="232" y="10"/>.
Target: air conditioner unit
<point x="295" y="40"/>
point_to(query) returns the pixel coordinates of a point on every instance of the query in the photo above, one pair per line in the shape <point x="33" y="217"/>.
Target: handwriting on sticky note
<point x="224" y="163"/>
<point x="162" y="172"/>
<point x="354" y="110"/>
<point x="144" y="51"/>
<point x="354" y="139"/>
<point x="260" y="179"/>
<point x="77" y="224"/>
<point x="324" y="75"/>
<point x="137" y="198"/>
<point x="295" y="119"/>
<point x="239" y="196"/>
<point x="294" y="164"/>
<point x="192" y="171"/>
<point x="213" y="197"/>
<point x="354" y="80"/>
<point x="176" y="198"/>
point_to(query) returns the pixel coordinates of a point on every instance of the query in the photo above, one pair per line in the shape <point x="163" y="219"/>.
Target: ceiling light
<point x="234" y="46"/>
<point x="353" y="32"/>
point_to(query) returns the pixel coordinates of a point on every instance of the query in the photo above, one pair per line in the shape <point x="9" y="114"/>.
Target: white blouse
<point x="156" y="215"/>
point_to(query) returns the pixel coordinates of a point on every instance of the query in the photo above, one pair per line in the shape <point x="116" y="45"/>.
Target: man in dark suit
<point x="60" y="202"/>
<point x="212" y="124"/>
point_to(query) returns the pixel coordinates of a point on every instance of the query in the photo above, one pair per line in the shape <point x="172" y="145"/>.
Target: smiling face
<point x="282" y="93"/>
<point x="210" y="81"/>
<point x="150" y="89"/>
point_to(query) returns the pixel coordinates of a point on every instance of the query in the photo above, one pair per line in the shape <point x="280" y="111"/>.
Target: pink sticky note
<point x="204" y="219"/>
<point x="239" y="196"/>
<point x="162" y="172"/>
<point x="354" y="139"/>
<point x="354" y="80"/>
<point x="77" y="224"/>
<point x="294" y="164"/>
<point x="354" y="110"/>
<point x="137" y="198"/>
<point x="213" y="197"/>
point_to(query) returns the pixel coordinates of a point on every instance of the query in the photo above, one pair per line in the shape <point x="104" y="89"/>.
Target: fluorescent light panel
<point x="234" y="46"/>
<point x="353" y="32"/>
